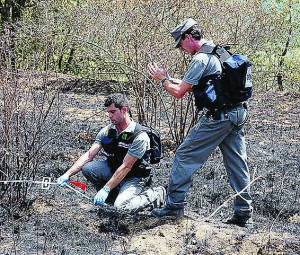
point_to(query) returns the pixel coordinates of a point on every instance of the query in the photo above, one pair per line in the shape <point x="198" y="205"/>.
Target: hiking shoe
<point x="166" y="211"/>
<point x="241" y="221"/>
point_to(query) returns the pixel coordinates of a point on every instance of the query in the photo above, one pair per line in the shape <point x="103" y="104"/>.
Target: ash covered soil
<point x="59" y="221"/>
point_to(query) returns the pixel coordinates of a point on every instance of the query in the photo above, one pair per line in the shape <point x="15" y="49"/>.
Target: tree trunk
<point x="10" y="11"/>
<point x="281" y="62"/>
<point x="70" y="59"/>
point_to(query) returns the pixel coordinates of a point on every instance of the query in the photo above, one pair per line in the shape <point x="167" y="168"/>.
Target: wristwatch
<point x="168" y="77"/>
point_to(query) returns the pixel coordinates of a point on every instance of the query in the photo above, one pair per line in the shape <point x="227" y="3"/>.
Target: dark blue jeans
<point x="131" y="193"/>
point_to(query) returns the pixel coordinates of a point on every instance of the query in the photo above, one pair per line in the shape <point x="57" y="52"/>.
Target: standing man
<point x="126" y="166"/>
<point x="220" y="126"/>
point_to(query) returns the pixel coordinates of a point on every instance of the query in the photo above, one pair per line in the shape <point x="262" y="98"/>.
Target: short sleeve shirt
<point x="202" y="65"/>
<point x="140" y="144"/>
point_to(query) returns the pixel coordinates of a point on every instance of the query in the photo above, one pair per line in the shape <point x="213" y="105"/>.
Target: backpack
<point x="236" y="77"/>
<point x="155" y="142"/>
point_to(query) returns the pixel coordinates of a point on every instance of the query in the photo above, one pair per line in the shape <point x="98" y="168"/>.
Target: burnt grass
<point x="58" y="221"/>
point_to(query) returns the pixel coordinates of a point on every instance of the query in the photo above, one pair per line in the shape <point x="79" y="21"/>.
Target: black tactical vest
<point x="116" y="148"/>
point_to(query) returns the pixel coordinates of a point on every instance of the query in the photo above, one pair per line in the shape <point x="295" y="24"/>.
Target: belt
<point x="219" y="114"/>
<point x="216" y="115"/>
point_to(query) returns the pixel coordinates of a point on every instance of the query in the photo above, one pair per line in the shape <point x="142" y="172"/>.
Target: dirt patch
<point x="200" y="237"/>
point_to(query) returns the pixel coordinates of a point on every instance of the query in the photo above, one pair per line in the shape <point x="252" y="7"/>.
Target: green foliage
<point x="118" y="38"/>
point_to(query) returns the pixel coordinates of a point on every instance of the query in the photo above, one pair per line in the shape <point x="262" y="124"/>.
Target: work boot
<point x="241" y="221"/>
<point x="167" y="211"/>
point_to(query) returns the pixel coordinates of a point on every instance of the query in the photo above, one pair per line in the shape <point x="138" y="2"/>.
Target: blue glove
<point x="101" y="196"/>
<point x="62" y="181"/>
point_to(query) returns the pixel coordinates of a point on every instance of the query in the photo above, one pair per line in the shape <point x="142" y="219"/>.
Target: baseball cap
<point x="181" y="29"/>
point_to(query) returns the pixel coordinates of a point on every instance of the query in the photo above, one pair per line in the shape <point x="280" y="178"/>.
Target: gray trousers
<point x="132" y="195"/>
<point x="202" y="140"/>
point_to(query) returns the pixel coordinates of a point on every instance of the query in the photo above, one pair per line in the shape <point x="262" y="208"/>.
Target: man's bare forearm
<point x="85" y="158"/>
<point x="77" y="166"/>
<point x="118" y="176"/>
<point x="121" y="172"/>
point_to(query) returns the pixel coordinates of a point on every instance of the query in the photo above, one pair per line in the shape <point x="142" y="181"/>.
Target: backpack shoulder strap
<point x="208" y="49"/>
<point x="219" y="51"/>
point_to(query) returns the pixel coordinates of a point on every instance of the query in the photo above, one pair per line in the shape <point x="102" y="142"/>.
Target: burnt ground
<point x="59" y="221"/>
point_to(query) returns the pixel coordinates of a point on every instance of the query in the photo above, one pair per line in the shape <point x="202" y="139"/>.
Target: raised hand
<point x="157" y="73"/>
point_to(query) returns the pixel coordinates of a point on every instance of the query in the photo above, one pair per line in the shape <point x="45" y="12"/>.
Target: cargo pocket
<point x="238" y="116"/>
